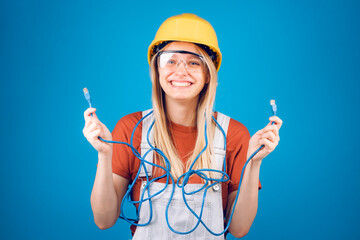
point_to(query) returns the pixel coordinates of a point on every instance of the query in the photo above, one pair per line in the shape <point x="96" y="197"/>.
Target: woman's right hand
<point x="93" y="129"/>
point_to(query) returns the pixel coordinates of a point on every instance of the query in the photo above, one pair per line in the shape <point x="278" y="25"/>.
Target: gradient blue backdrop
<point x="304" y="54"/>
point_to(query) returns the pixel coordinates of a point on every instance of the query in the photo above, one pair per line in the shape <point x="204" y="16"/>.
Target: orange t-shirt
<point x="125" y="164"/>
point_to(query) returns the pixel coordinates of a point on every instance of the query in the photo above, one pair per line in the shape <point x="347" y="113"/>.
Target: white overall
<point x="179" y="216"/>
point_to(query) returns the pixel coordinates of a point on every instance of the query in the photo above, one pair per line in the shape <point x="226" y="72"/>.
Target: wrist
<point x="107" y="156"/>
<point x="256" y="162"/>
<point x="254" y="158"/>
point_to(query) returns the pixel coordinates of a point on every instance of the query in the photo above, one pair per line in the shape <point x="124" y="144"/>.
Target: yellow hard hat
<point x="187" y="28"/>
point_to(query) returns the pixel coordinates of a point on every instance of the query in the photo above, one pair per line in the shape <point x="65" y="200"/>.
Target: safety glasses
<point x="170" y="60"/>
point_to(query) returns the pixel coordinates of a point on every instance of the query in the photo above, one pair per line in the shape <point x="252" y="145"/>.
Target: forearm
<point x="247" y="204"/>
<point x="104" y="201"/>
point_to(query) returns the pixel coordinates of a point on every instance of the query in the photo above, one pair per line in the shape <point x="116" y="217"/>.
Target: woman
<point x="184" y="59"/>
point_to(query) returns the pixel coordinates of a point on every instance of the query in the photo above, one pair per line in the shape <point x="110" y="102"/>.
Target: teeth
<point x="180" y="84"/>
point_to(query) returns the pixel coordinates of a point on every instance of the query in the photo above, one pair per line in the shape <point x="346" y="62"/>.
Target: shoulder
<point x="130" y="118"/>
<point x="237" y="134"/>
<point x="127" y="123"/>
<point x="237" y="128"/>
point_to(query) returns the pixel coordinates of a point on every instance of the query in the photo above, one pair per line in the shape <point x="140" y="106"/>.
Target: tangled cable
<point x="184" y="177"/>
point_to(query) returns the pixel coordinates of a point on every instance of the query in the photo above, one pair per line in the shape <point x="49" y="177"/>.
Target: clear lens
<point x="171" y="60"/>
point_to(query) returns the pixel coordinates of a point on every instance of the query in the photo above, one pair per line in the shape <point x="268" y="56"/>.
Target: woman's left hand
<point x="268" y="136"/>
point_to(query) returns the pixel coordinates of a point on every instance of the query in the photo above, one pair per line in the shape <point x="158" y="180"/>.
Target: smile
<point x="180" y="84"/>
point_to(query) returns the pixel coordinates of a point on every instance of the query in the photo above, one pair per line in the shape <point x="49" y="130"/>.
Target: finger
<point x="103" y="127"/>
<point x="93" y="126"/>
<point x="88" y="112"/>
<point x="277" y="121"/>
<point x="94" y="135"/>
<point x="89" y="120"/>
<point x="272" y="128"/>
<point x="270" y="136"/>
<point x="95" y="116"/>
<point x="269" y="146"/>
<point x="87" y="124"/>
<point x="86" y="127"/>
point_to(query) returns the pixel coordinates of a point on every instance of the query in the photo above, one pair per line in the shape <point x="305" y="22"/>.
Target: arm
<point x="109" y="188"/>
<point x="107" y="194"/>
<point x="246" y="207"/>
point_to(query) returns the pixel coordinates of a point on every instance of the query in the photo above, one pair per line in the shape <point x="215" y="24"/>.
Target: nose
<point x="181" y="68"/>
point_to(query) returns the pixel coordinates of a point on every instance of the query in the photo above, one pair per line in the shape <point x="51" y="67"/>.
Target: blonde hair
<point x="162" y="134"/>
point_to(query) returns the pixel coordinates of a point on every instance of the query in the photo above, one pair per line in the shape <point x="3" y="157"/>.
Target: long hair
<point x="204" y="112"/>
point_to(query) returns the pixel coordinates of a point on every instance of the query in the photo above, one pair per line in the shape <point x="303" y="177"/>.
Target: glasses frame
<point x="179" y="51"/>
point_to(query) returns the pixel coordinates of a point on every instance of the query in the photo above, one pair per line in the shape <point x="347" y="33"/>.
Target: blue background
<point x="304" y="54"/>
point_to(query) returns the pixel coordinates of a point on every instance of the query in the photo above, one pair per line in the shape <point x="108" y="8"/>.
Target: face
<point x="178" y="83"/>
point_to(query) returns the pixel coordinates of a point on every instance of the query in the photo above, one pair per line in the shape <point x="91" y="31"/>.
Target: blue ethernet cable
<point x="186" y="176"/>
<point x="87" y="96"/>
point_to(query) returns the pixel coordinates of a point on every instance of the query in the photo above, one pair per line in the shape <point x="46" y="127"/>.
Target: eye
<point x="194" y="63"/>
<point x="170" y="62"/>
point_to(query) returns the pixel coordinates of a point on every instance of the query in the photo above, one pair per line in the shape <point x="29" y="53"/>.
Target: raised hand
<point x="268" y="136"/>
<point x="93" y="129"/>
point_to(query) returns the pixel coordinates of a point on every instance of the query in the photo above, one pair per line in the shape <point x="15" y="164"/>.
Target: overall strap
<point x="219" y="140"/>
<point x="146" y="123"/>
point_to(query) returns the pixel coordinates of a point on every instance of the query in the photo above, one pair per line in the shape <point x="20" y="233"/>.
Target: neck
<point x="182" y="112"/>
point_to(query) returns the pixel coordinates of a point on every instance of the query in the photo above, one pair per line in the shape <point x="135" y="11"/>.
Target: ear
<point x="207" y="81"/>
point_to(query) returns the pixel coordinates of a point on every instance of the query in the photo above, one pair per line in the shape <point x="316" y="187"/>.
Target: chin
<point x="181" y="97"/>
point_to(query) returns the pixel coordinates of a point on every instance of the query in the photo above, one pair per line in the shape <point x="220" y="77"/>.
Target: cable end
<point x="273" y="106"/>
<point x="87" y="95"/>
